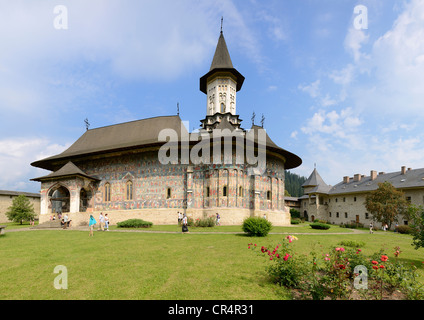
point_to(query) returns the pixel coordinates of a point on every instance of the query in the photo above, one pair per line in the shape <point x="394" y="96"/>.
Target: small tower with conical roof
<point x="220" y="85"/>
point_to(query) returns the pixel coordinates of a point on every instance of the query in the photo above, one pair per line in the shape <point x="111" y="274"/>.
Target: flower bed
<point x="340" y="273"/>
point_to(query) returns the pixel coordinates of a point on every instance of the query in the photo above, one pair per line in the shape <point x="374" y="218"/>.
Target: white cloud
<point x="383" y="87"/>
<point x="293" y="135"/>
<point x="354" y="41"/>
<point x="393" y="70"/>
<point x="313" y="89"/>
<point x="16" y="155"/>
<point x="337" y="124"/>
<point x="343" y="76"/>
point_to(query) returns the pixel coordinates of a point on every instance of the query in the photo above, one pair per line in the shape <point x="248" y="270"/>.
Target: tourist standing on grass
<point x="218" y="218"/>
<point x="185" y="225"/>
<point x="371" y="226"/>
<point x="107" y="221"/>
<point x="101" y="222"/>
<point x="180" y="217"/>
<point x="91" y="224"/>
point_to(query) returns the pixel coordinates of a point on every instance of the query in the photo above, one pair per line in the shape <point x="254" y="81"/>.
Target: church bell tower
<point x="220" y="85"/>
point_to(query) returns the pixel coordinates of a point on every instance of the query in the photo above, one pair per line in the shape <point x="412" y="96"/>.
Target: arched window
<point x="224" y="191"/>
<point x="240" y="191"/>
<point x="129" y="190"/>
<point x="168" y="193"/>
<point x="268" y="195"/>
<point x="222" y="108"/>
<point x="107" y="192"/>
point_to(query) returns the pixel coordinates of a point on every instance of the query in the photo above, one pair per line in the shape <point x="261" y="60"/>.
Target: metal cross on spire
<point x="87" y="124"/>
<point x="222" y="21"/>
<point x="262" y="120"/>
<point x="253" y="118"/>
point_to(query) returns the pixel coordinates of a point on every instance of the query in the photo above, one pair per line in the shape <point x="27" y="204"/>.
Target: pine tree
<point x="293" y="184"/>
<point x="20" y="210"/>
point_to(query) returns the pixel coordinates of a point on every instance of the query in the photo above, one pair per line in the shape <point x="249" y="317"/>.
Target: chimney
<point x="357" y="177"/>
<point x="373" y="175"/>
<point x="403" y="170"/>
<point x="346" y="179"/>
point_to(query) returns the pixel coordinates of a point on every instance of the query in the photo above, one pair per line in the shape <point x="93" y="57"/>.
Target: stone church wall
<point x="198" y="190"/>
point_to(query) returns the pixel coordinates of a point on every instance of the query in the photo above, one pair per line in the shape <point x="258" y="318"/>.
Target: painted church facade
<point x="119" y="169"/>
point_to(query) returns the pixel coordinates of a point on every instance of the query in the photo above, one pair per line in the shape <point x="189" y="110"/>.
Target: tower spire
<point x="220" y="85"/>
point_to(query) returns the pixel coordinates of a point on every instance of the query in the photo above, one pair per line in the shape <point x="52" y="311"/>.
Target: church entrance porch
<point x="60" y="200"/>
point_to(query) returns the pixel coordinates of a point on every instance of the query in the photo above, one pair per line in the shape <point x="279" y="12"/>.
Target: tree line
<point x="293" y="184"/>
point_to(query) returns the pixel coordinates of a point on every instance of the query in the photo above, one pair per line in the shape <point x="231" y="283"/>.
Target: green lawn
<point x="140" y="265"/>
<point x="300" y="228"/>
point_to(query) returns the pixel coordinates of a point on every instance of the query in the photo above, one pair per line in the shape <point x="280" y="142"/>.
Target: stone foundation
<point x="229" y="216"/>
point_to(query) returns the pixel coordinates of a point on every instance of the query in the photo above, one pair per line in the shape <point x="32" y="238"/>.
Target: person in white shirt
<point x="107" y="222"/>
<point x="101" y="222"/>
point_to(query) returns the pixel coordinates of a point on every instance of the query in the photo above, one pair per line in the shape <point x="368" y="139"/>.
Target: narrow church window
<point x="240" y="191"/>
<point x="222" y="108"/>
<point x="129" y="190"/>
<point x="168" y="193"/>
<point x="107" y="192"/>
<point x="224" y="191"/>
<point x="268" y="195"/>
<point x="207" y="192"/>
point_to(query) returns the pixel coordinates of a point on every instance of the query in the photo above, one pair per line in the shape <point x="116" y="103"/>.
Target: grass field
<point x="153" y="265"/>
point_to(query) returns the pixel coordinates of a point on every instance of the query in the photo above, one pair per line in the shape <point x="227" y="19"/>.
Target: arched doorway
<point x="60" y="200"/>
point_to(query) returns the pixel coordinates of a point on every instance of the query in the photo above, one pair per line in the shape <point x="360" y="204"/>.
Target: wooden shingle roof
<point x="116" y="137"/>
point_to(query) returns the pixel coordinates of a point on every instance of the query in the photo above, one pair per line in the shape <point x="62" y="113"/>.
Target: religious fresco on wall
<point x="151" y="180"/>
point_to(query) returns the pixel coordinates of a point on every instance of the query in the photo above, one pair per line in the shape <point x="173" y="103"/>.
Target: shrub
<point x="319" y="225"/>
<point x="205" y="222"/>
<point x="404" y="229"/>
<point x="256" y="227"/>
<point x="295" y="221"/>
<point x="134" y="223"/>
<point x="190" y="221"/>
<point x="352" y="225"/>
<point x="352" y="244"/>
<point x="321" y="221"/>
<point x="294" y="213"/>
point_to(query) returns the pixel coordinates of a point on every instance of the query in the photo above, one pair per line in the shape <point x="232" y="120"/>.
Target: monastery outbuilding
<point x="127" y="170"/>
<point x="344" y="203"/>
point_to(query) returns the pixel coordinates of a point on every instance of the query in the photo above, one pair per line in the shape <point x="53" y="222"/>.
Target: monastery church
<point x="117" y="169"/>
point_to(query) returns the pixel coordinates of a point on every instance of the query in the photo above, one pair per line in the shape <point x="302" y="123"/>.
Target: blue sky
<point x="348" y="99"/>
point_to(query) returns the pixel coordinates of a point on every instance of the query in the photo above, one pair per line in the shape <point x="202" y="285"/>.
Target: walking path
<point x="85" y="228"/>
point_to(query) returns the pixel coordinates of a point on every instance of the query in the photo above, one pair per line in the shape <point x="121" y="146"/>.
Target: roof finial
<point x="87" y="124"/>
<point x="178" y="108"/>
<point x="262" y="120"/>
<point x="253" y="118"/>
<point x="222" y="20"/>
